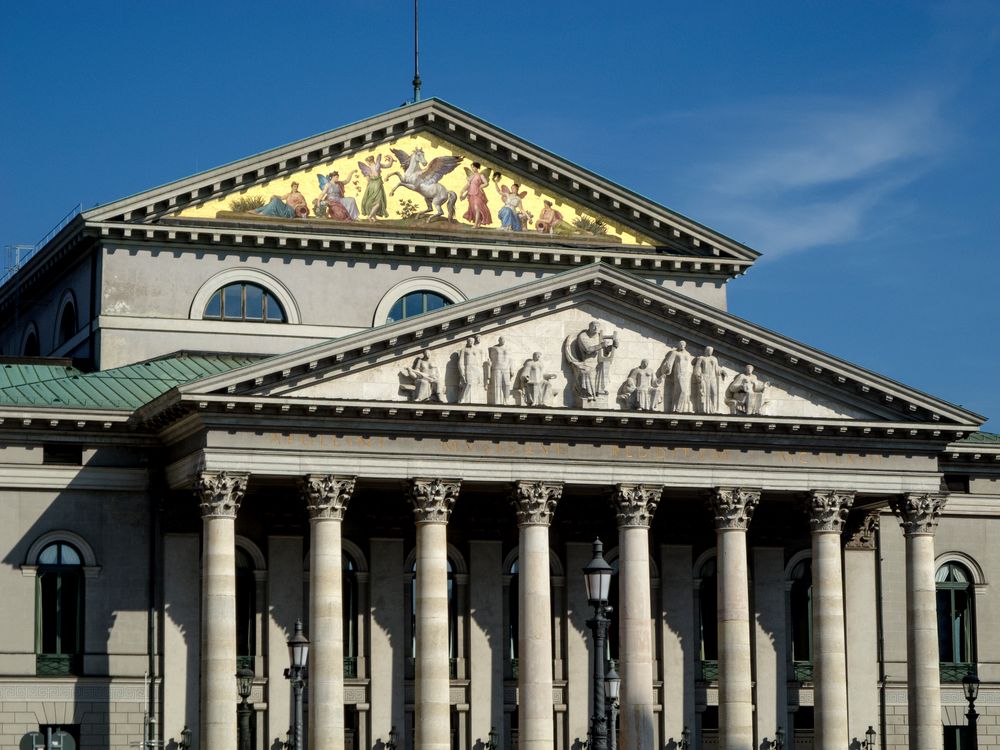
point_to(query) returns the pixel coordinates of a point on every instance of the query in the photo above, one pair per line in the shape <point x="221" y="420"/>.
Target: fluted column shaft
<point x="827" y="513"/>
<point x="918" y="514"/>
<point x="534" y="503"/>
<point x="326" y="498"/>
<point x="733" y="509"/>
<point x="432" y="501"/>
<point x="220" y="495"/>
<point x="635" y="505"/>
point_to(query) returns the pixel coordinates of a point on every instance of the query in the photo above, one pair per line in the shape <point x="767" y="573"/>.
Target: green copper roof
<point x="126" y="387"/>
<point x="982" y="437"/>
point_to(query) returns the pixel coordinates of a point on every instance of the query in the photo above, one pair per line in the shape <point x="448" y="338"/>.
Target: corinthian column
<point x="827" y="513"/>
<point x="733" y="508"/>
<point x="326" y="499"/>
<point x="219" y="494"/>
<point x="534" y="502"/>
<point x="918" y="515"/>
<point x="432" y="501"/>
<point x="635" y="505"/>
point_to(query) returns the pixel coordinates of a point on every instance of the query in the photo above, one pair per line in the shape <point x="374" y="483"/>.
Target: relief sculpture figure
<point x="425" y="178"/>
<point x="707" y="377"/>
<point x="470" y="373"/>
<point x="642" y="388"/>
<point x="501" y="374"/>
<point x="745" y="395"/>
<point x="677" y="370"/>
<point x="426" y="379"/>
<point x="590" y="353"/>
<point x="534" y="383"/>
<point x="373" y="202"/>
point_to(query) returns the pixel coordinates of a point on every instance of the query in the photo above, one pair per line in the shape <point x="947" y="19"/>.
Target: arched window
<point x="244" y="301"/>
<point x="708" y="620"/>
<point x="801" y="607"/>
<point x="513" y="618"/>
<point x="350" y="610"/>
<point x="416" y="303"/>
<point x="246" y="609"/>
<point x="956" y="620"/>
<point x="452" y="615"/>
<point x="67" y="322"/>
<point x="59" y="610"/>
<point x="31" y="347"/>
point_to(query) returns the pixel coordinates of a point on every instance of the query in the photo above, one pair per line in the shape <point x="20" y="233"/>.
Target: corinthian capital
<point x="327" y="496"/>
<point x="433" y="499"/>
<point x="918" y="512"/>
<point x="220" y="493"/>
<point x="828" y="510"/>
<point x="733" y="507"/>
<point x="635" y="504"/>
<point x="535" y="502"/>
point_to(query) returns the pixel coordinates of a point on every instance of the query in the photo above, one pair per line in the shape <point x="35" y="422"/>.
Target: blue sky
<point x="853" y="143"/>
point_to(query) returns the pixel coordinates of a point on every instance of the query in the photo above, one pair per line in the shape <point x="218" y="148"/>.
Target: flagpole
<point x="416" y="53"/>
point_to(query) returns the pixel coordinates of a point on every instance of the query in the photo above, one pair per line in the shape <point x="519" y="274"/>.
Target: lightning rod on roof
<point x="416" y="53"/>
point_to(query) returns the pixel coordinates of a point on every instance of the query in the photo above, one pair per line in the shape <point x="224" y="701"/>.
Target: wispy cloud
<point x="796" y="175"/>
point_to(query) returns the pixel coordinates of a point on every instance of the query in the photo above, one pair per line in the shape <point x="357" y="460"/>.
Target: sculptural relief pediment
<point x="584" y="356"/>
<point x="595" y="338"/>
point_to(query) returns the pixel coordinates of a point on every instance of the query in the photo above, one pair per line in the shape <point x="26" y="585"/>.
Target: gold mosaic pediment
<point x="419" y="181"/>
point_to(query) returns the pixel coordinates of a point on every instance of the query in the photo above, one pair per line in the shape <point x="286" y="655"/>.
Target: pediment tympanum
<point x="586" y="356"/>
<point x="421" y="181"/>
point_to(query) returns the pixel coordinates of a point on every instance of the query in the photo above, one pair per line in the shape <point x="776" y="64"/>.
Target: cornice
<point x="369" y="241"/>
<point x="259" y="410"/>
<point x="742" y="340"/>
<point x="514" y="154"/>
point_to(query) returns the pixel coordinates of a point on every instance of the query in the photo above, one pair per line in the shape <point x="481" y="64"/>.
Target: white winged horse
<point x="424" y="178"/>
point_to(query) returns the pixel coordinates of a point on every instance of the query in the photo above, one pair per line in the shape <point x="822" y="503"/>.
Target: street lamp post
<point x="244" y="684"/>
<point x="298" y="655"/>
<point x="185" y="743"/>
<point x="970" y="685"/>
<point x="612" y="688"/>
<point x="869" y="741"/>
<point x="597" y="575"/>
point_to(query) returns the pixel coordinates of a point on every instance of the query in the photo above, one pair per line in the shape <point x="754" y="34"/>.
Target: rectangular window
<point x="414" y="304"/>
<point x="254" y="303"/>
<point x="232" y="302"/>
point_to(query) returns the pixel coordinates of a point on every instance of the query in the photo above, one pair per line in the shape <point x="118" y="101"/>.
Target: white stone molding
<point x="535" y="502"/>
<point x="87" y="557"/>
<point x="967" y="562"/>
<point x="68" y="298"/>
<point x="555" y="564"/>
<point x="419" y="284"/>
<point x="699" y="563"/>
<point x="918" y="513"/>
<point x="433" y="499"/>
<point x="355" y="553"/>
<point x="635" y="504"/>
<point x="733" y="507"/>
<point x="828" y="510"/>
<point x="248" y="546"/>
<point x="220" y="493"/>
<point x="802" y="554"/>
<point x="247" y="276"/>
<point x="30" y="328"/>
<point x="327" y="496"/>
<point x="455" y="557"/>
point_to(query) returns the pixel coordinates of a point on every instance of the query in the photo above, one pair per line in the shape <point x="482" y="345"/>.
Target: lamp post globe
<point x="244" y="684"/>
<point x="970" y="686"/>
<point x="298" y="655"/>
<point x="597" y="577"/>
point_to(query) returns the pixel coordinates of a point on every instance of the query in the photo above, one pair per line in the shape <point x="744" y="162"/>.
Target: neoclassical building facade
<point x="393" y="381"/>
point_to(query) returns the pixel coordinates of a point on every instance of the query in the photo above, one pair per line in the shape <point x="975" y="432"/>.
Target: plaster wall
<point x="44" y="308"/>
<point x="147" y="296"/>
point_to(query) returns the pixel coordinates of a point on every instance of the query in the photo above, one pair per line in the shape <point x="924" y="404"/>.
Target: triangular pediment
<point x="585" y="208"/>
<point x="637" y="320"/>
